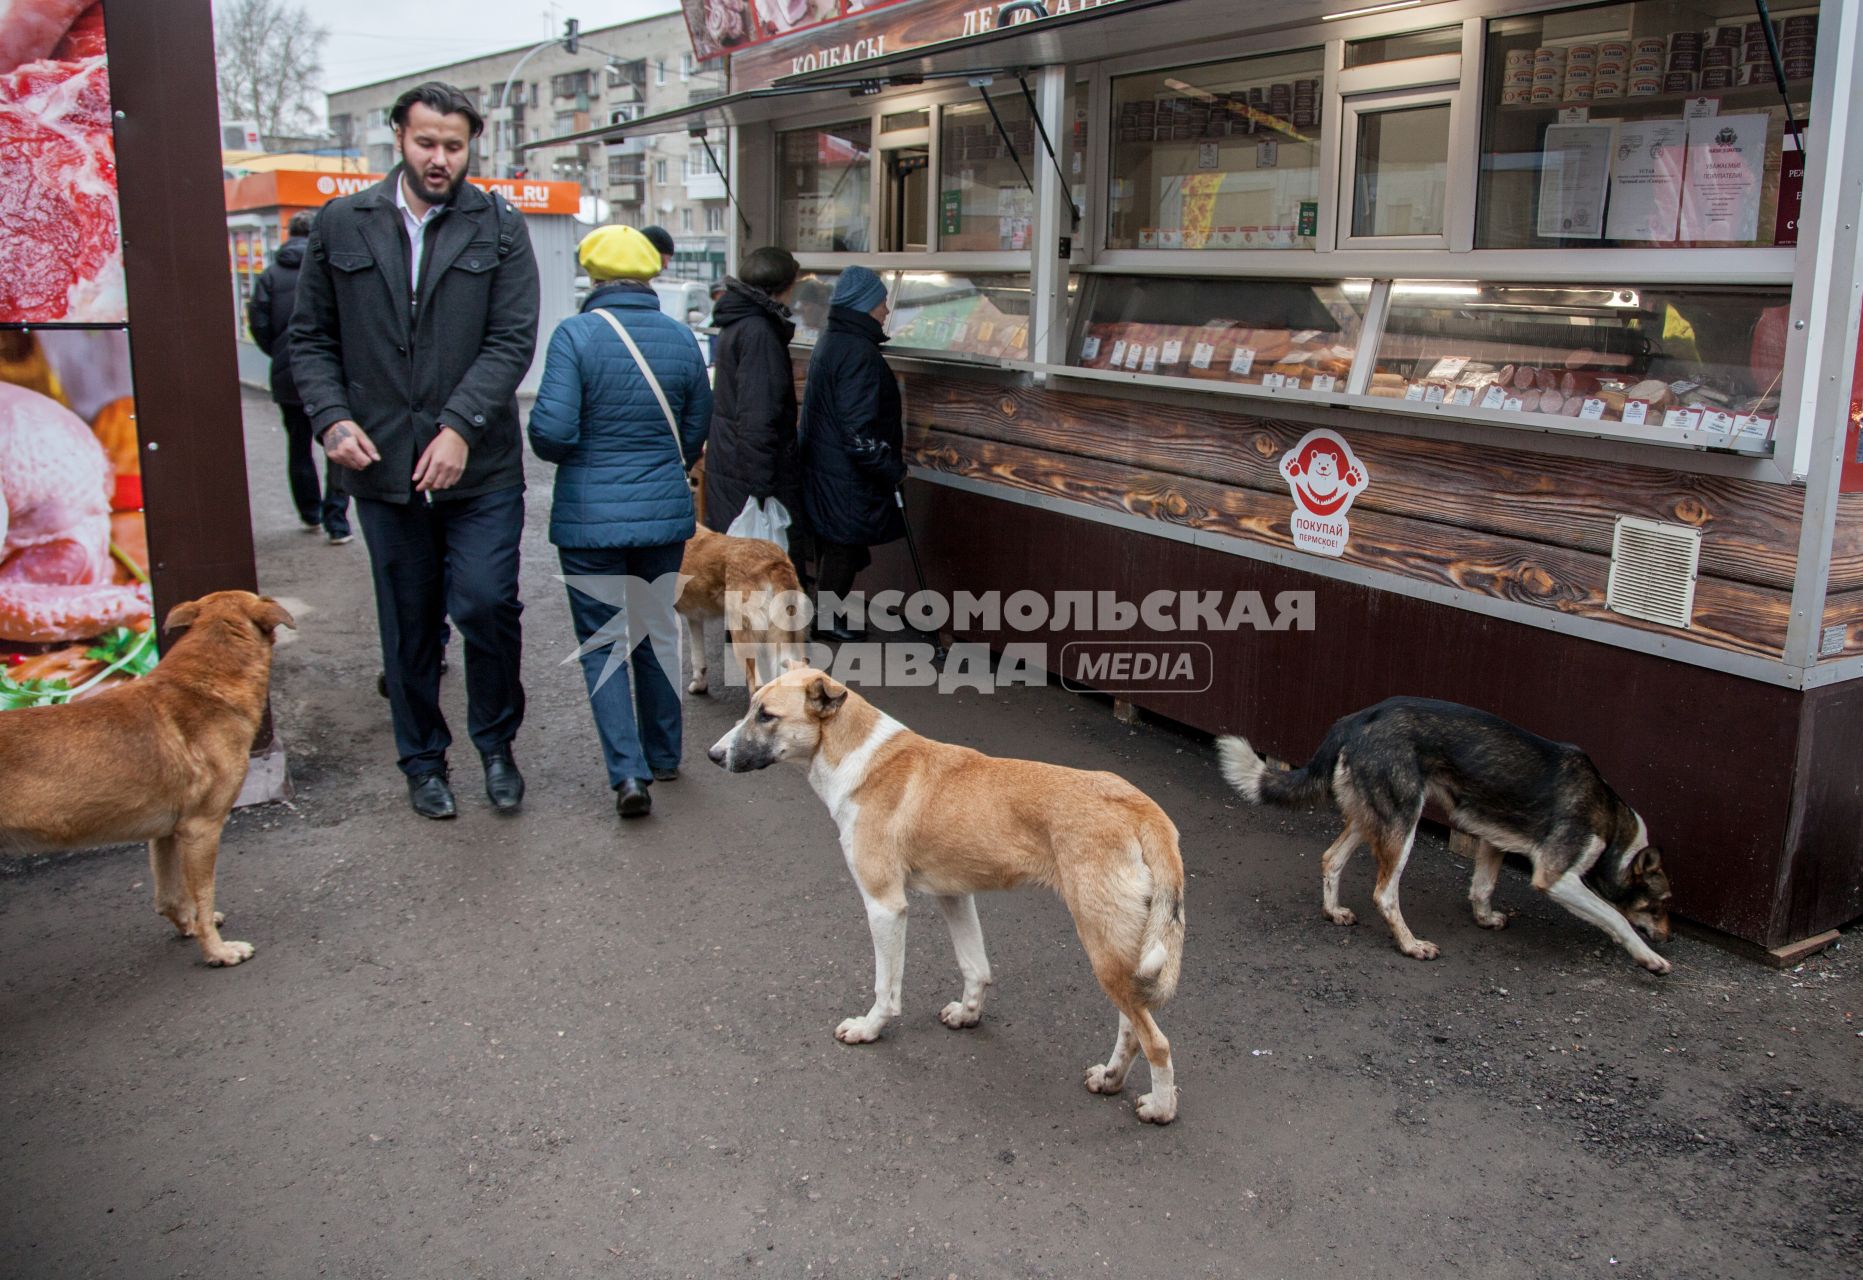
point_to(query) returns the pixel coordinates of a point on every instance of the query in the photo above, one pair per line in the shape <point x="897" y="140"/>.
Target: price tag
<point x="1172" y="352"/>
<point x="1675" y="418"/>
<point x="1701" y="108"/>
<point x="1273" y="379"/>
<point x="1292" y="383"/>
<point x="1513" y="404"/>
<point x="985" y="331"/>
<point x="1090" y="349"/>
<point x="1592" y="409"/>
<point x="1635" y="411"/>
<point x="1209" y="155"/>
<point x="1752" y="426"/>
<point x="1150" y="364"/>
<point x="1134" y="355"/>
<point x="1462" y="395"/>
<point x="1432" y="395"/>
<point x="1717" y="420"/>
<point x="1494" y="398"/>
<point x="1242" y="361"/>
<point x="1414" y="391"/>
<point x="1201" y="356"/>
<point x="1324" y="382"/>
<point x="1119" y="353"/>
<point x="1574" y="115"/>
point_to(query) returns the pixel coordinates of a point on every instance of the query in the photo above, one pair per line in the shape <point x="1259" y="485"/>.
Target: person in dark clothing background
<point x="268" y="315"/>
<point x="416" y="320"/>
<point x="853" y="442"/>
<point x="662" y="239"/>
<point x="753" y="451"/>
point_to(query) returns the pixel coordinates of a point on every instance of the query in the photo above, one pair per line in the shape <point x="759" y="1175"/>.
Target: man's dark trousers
<point x="326" y="506"/>
<point x="455" y="557"/>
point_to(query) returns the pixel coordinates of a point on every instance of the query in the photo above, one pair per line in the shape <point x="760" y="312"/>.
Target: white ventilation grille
<point x="1653" y="568"/>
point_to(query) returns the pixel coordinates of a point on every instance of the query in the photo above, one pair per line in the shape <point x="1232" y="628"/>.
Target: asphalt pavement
<point x="557" y="1045"/>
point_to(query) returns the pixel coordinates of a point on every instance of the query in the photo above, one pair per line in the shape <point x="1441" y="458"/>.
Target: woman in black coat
<point x="853" y="440"/>
<point x="753" y="452"/>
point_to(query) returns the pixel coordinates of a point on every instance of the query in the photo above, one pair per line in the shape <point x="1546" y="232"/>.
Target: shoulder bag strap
<point x="647" y="372"/>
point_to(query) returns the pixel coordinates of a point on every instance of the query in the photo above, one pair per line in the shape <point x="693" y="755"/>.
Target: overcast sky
<point x="375" y="39"/>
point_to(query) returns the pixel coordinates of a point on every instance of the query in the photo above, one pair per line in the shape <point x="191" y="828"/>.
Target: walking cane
<point x="912" y="547"/>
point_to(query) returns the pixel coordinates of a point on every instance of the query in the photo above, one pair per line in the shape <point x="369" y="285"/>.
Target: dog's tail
<point x="1270" y="782"/>
<point x="1161" y="946"/>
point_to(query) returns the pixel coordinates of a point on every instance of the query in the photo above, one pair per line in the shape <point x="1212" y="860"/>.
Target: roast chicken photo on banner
<point x="61" y="257"/>
<point x="74" y="594"/>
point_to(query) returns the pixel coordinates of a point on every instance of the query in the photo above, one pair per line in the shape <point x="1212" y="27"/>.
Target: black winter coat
<point x="268" y="315"/>
<point x="753" y="452"/>
<point x="403" y="367"/>
<point x="853" y="436"/>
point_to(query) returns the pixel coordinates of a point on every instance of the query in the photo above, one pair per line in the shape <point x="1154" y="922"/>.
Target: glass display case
<point x="1289" y="335"/>
<point x="980" y="316"/>
<point x="1697" y="359"/>
<point x="1220" y="156"/>
<point x="1657" y="123"/>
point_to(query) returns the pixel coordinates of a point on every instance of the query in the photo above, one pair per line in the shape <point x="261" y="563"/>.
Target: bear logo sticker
<point x="1324" y="476"/>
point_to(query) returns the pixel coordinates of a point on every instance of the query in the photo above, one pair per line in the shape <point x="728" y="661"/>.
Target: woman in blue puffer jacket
<point x="622" y="509"/>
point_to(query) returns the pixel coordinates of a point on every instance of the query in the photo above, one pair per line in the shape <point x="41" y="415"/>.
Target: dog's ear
<point x="268" y="615"/>
<point x="1648" y="859"/>
<point x="182" y="616"/>
<point x="823" y="701"/>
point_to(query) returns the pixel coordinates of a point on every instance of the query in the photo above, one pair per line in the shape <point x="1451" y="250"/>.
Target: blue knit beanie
<point x="858" y="289"/>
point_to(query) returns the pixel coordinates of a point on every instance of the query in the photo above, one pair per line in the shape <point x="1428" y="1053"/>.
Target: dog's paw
<point x="857" y="1031"/>
<point x="1100" y="1080"/>
<point x="1421" y="950"/>
<point x="700" y="686"/>
<point x="1342" y="915"/>
<point x="229" y="954"/>
<point x="957" y="1015"/>
<point x="1491" y="919"/>
<point x="1158" y="1107"/>
<point x="1656" y="964"/>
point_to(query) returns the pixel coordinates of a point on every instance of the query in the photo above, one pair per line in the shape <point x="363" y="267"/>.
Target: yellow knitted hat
<point x="618" y="253"/>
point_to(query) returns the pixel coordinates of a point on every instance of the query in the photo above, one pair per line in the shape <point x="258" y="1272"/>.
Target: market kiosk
<point x="1569" y="294"/>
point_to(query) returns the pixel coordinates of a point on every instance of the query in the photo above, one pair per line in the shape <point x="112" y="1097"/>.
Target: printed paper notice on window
<point x="1242" y="361"/>
<point x="1646" y="180"/>
<point x="1575" y="169"/>
<point x="1726" y="172"/>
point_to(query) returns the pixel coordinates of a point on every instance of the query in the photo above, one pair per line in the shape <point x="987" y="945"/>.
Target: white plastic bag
<point x="768" y="520"/>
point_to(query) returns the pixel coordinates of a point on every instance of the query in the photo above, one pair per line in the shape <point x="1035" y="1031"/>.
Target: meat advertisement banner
<point x="61" y="260"/>
<point x="74" y="562"/>
<point x="719" y="26"/>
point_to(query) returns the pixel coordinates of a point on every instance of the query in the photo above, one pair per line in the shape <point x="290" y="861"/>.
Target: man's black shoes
<point x="632" y="799"/>
<point x="666" y="775"/>
<point x="431" y="797"/>
<point x="504" y="785"/>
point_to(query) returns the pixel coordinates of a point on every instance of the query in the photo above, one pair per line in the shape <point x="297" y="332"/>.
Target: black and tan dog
<point x="160" y="759"/>
<point x="1512" y="790"/>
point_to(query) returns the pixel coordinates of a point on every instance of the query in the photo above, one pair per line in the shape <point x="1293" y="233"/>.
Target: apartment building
<point x="618" y="73"/>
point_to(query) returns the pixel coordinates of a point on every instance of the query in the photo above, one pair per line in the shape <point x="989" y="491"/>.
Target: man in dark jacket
<point x="853" y="443"/>
<point x="268" y="315"/>
<point x="752" y="452"/>
<point x="416" y="320"/>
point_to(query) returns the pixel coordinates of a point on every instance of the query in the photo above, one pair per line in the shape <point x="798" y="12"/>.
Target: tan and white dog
<point x="741" y="581"/>
<point x="949" y="821"/>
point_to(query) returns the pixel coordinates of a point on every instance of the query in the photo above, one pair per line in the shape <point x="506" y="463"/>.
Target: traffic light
<point x="572" y="35"/>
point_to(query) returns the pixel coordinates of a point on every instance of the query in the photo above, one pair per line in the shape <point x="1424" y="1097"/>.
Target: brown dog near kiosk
<point x="160" y="759"/>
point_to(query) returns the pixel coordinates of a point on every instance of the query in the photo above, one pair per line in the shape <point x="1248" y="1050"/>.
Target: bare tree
<point x="271" y="63"/>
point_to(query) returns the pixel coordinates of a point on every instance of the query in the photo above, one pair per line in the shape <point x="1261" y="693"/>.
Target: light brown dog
<point x="160" y="759"/>
<point x="739" y="580"/>
<point x="949" y="821"/>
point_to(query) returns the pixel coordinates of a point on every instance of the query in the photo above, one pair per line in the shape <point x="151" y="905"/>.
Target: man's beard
<point x="442" y="196"/>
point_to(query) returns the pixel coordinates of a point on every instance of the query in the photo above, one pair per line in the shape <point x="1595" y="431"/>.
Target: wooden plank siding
<point x="1514" y="524"/>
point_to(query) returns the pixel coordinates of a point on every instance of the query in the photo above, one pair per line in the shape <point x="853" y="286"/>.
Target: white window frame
<point x="685" y="67"/>
<point x="1351" y="111"/>
<point x="659" y="71"/>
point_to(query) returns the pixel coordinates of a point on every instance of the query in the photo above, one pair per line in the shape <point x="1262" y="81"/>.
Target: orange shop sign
<point x="303" y="189"/>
